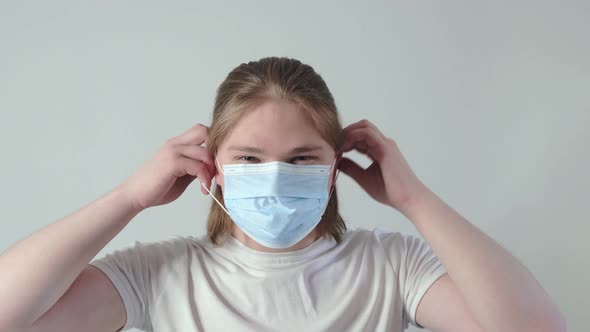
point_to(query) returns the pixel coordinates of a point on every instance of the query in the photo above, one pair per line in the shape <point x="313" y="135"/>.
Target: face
<point x="274" y="131"/>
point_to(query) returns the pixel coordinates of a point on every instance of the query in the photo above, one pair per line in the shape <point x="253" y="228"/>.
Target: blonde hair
<point x="251" y="84"/>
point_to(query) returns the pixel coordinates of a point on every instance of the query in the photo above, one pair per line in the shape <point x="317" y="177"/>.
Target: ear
<point x="218" y="175"/>
<point x="218" y="178"/>
<point x="338" y="159"/>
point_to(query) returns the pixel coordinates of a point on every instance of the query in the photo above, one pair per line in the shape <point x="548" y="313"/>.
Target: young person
<point x="277" y="255"/>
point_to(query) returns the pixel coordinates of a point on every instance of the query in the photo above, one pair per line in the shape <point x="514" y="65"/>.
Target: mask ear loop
<point x="210" y="194"/>
<point x="335" y="178"/>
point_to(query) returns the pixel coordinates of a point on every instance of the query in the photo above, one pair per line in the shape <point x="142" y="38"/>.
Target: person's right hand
<point x="164" y="177"/>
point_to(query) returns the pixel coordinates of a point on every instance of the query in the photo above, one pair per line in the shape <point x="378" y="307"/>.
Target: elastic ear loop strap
<point x="210" y="194"/>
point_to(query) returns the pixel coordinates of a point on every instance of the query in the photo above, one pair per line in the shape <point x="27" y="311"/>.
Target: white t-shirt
<point x="371" y="281"/>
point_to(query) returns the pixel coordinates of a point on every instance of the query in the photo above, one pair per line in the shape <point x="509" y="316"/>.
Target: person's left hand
<point x="389" y="179"/>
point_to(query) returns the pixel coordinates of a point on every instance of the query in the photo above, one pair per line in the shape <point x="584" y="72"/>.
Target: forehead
<point x="275" y="125"/>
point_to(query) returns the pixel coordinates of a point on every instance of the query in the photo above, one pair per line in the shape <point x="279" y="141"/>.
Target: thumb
<point x="353" y="170"/>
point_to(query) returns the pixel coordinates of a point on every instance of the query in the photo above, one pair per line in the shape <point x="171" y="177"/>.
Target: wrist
<point x="415" y="201"/>
<point x="124" y="197"/>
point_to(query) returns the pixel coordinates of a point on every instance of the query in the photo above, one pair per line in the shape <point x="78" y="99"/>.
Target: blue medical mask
<point x="277" y="204"/>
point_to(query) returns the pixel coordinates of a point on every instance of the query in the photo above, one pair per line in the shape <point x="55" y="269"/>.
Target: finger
<point x="197" y="169"/>
<point x="183" y="182"/>
<point x="355" y="125"/>
<point x="366" y="141"/>
<point x="364" y="123"/>
<point x="196" y="152"/>
<point x="197" y="134"/>
<point x="352" y="169"/>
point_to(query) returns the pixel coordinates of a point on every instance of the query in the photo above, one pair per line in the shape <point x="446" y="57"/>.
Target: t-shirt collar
<point x="262" y="259"/>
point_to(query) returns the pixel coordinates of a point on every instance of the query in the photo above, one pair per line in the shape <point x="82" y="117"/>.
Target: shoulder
<point x="175" y="247"/>
<point x="400" y="248"/>
<point x="390" y="240"/>
<point x="397" y="241"/>
<point x="157" y="253"/>
<point x="390" y="243"/>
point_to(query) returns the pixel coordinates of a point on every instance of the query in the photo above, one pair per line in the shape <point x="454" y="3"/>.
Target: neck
<point x="249" y="242"/>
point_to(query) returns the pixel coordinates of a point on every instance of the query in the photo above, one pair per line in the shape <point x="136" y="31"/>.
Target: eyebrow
<point x="251" y="149"/>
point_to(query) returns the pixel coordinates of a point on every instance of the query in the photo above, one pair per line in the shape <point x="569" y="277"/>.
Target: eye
<point x="303" y="159"/>
<point x="248" y="159"/>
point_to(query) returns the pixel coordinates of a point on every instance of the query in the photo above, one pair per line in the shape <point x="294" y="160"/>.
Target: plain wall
<point x="489" y="102"/>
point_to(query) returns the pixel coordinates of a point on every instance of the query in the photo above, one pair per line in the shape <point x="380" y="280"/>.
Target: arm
<point x="500" y="293"/>
<point x="38" y="270"/>
<point x="486" y="286"/>
<point x="37" y="274"/>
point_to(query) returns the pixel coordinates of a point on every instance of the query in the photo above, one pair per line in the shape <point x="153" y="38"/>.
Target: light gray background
<point x="489" y="103"/>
